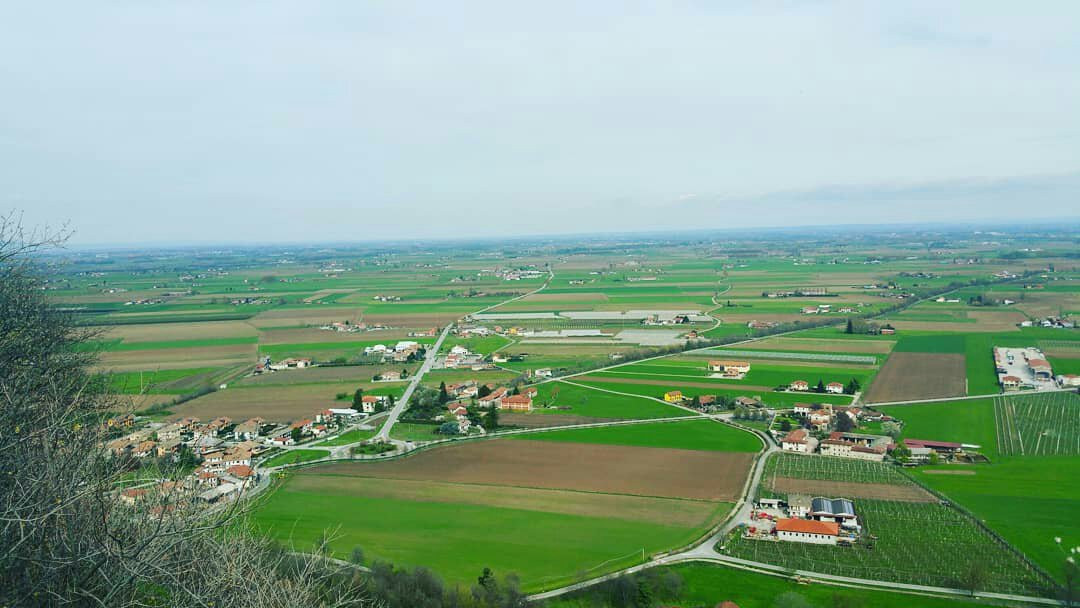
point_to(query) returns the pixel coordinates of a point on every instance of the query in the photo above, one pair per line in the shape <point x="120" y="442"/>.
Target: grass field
<point x="544" y="549"/>
<point x="349" y="437"/>
<point x="689" y="435"/>
<point x="295" y="457"/>
<point x="968" y="421"/>
<point x="657" y="390"/>
<point x="548" y="511"/>
<point x="564" y="398"/>
<point x="1028" y="500"/>
<point x="709" y="585"/>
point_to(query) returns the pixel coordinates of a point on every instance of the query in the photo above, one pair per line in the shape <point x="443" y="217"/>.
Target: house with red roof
<point x="808" y="531"/>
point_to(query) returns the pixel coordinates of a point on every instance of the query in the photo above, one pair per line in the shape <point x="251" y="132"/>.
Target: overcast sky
<point x="160" y="121"/>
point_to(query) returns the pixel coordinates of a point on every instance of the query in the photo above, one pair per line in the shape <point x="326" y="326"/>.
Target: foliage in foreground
<point x="65" y="538"/>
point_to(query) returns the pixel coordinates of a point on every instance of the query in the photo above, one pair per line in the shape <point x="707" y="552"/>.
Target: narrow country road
<point x="429" y="360"/>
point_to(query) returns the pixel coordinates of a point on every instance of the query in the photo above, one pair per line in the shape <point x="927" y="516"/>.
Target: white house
<point x="808" y="531"/>
<point x="800" y="441"/>
<point x="834" y="387"/>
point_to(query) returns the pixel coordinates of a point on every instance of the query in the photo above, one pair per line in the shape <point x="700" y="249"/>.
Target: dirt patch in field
<point x="315" y="315"/>
<point x="666" y="511"/>
<point x="274" y="403"/>
<point x="358" y="374"/>
<point x="539" y="421"/>
<point x="996" y="321"/>
<point x="912" y="376"/>
<point x="414" y="320"/>
<point x="661" y="382"/>
<point x="822" y="345"/>
<point x="168" y="332"/>
<point x="956" y="472"/>
<point x="571" y="466"/>
<point x="847" y="489"/>
<point x="178" y="358"/>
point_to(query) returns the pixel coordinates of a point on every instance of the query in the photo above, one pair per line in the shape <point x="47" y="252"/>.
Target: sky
<point x="147" y="121"/>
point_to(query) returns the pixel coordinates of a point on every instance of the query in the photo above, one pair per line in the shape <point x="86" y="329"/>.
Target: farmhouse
<point x="799" y="385"/>
<point x="807" y="531"/>
<point x="673" y="396"/>
<point x="248" y="430"/>
<point x="516" y="403"/>
<point x="291" y="363"/>
<point x="856" y="445"/>
<point x="798" y="505"/>
<point x="820" y="419"/>
<point x="730" y="369"/>
<point x="800" y="441"/>
<point x="834" y="387"/>
<point x="802" y="409"/>
<point x="492" y="398"/>
<point x="944" y="448"/>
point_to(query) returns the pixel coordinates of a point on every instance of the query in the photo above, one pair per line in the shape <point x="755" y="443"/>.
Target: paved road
<point x="402" y="403"/>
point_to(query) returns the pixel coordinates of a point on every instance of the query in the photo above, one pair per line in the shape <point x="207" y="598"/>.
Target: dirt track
<point x="571" y="466"/>
<point x="846" y="489"/>
<point x="911" y="376"/>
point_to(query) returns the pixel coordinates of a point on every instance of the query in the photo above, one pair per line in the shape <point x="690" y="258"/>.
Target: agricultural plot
<point x="970" y="421"/>
<point x="283" y="403"/>
<point x="826" y="468"/>
<point x="1002" y="495"/>
<point x="656" y="389"/>
<point x="911" y="376"/>
<point x="702" y="434"/>
<point x="906" y="542"/>
<point x="795" y="356"/>
<point x="561" y="398"/>
<point x="1040" y="424"/>
<point x="559" y="508"/>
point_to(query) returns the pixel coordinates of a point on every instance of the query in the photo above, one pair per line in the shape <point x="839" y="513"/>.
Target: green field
<point x="582" y="401"/>
<point x="1028" y="500"/>
<point x="408" y="431"/>
<point x="709" y="585"/>
<point x="348" y="437"/>
<point x="687" y="435"/>
<point x="1038" y="424"/>
<point x="459" y="540"/>
<point x="294" y="457"/>
<point x="966" y="421"/>
<point x="770" y="398"/>
<point x="674" y="370"/>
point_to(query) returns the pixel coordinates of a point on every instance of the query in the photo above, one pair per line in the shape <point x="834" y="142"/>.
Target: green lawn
<point x="709" y="585"/>
<point x="408" y="431"/>
<point x="295" y="456"/>
<point x="966" y="421"/>
<point x="932" y="343"/>
<point x="581" y="401"/>
<point x="687" y="435"/>
<point x="771" y="398"/>
<point x="348" y="437"/>
<point x="459" y="540"/>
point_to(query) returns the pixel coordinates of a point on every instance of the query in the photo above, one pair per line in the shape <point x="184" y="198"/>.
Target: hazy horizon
<point x="336" y="122"/>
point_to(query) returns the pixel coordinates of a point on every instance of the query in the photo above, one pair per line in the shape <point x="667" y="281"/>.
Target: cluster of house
<point x="797" y="293"/>
<point x="755" y="324"/>
<point x="382" y="298"/>
<point x="461" y="357"/>
<point x="348" y="327"/>
<point x="705" y="402"/>
<point x="824" y="309"/>
<point x="802" y="386"/>
<point x="802" y="519"/>
<point x="733" y="370"/>
<point x="398" y="353"/>
<point x="1050" y="323"/>
<point x="519" y="274"/>
<point x="266" y="365"/>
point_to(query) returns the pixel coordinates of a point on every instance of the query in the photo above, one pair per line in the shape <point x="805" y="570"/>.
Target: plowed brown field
<point x="912" y="376"/>
<point x="845" y="489"/>
<point x="571" y="466"/>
